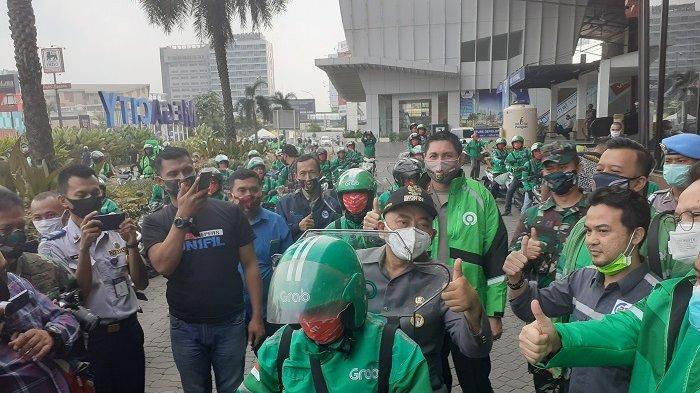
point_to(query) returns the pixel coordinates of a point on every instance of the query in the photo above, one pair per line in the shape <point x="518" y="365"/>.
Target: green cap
<point x="356" y="179"/>
<point x="558" y="153"/>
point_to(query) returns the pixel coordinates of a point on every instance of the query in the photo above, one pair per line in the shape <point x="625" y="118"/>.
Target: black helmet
<point x="407" y="168"/>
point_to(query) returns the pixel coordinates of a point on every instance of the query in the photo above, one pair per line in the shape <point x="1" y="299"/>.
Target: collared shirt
<point x="663" y="200"/>
<point x="582" y="294"/>
<point x="108" y="298"/>
<point x="400" y="296"/>
<point x="552" y="224"/>
<point x="272" y="237"/>
<point x="17" y="375"/>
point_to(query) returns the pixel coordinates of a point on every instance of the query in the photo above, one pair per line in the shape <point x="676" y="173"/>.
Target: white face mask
<point x="684" y="246"/>
<point x="46" y="226"/>
<point x="615" y="134"/>
<point x="408" y="243"/>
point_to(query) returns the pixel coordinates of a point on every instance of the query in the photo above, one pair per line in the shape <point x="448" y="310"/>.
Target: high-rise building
<point x="191" y="69"/>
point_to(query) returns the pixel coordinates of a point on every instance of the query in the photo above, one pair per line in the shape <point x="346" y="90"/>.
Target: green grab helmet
<point x="318" y="274"/>
<point x="421" y="127"/>
<point x="356" y="179"/>
<point x="253" y="153"/>
<point x="517" y="138"/>
<point x="255" y="161"/>
<point x="501" y="141"/>
<point x="416" y="150"/>
<point x="221" y="157"/>
<point x="536" y="146"/>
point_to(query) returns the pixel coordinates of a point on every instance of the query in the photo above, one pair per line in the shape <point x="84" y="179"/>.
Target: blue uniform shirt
<point x="272" y="236"/>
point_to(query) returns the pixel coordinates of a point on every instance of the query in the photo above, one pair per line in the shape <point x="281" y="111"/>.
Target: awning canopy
<point x="544" y="76"/>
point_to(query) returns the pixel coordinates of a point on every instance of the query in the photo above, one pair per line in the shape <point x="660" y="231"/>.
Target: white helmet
<point x="221" y="157"/>
<point x="96" y="155"/>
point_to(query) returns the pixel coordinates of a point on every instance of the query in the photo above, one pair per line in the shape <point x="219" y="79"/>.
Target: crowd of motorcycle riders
<point x="339" y="282"/>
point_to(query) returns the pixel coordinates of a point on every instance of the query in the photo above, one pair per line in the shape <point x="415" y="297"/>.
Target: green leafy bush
<point x="69" y="142"/>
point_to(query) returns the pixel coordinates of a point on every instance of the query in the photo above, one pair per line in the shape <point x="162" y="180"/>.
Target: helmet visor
<point x="300" y="287"/>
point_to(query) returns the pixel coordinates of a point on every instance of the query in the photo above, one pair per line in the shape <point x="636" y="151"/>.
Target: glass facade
<point x="415" y="111"/>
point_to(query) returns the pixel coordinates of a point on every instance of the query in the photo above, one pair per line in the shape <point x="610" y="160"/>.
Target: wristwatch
<point x="182" y="223"/>
<point x="55" y="334"/>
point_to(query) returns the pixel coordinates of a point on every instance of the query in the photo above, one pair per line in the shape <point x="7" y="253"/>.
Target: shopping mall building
<point x="461" y="62"/>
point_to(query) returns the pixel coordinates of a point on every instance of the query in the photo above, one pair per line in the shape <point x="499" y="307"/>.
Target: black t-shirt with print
<point x="206" y="286"/>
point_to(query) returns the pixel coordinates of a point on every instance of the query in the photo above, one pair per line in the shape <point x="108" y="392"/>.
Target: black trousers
<point x="116" y="357"/>
<point x="517" y="183"/>
<point x="472" y="373"/>
<point x="476" y="168"/>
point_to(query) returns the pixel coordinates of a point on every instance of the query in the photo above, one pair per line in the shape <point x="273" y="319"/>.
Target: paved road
<point x="508" y="374"/>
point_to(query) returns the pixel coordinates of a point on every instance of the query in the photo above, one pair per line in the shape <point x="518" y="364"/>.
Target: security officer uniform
<point x="115" y="347"/>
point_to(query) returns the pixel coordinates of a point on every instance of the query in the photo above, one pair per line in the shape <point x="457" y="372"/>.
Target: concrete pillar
<point x="453" y="108"/>
<point x="581" y="104"/>
<point x="603" y="95"/>
<point x="373" y="112"/>
<point x="553" y="101"/>
<point x="395" y="123"/>
<point x="433" y="109"/>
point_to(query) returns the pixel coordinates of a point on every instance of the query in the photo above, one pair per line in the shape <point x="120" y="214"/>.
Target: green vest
<point x="476" y="234"/>
<point x="355" y="372"/>
<point x="637" y="338"/>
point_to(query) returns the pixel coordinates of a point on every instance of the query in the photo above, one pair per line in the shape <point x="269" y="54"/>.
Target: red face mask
<point x="355" y="202"/>
<point x="322" y="331"/>
<point x="409" y="182"/>
<point x="248" y="202"/>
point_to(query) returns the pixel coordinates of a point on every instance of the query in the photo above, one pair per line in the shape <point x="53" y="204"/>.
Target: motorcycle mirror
<point x="434" y="288"/>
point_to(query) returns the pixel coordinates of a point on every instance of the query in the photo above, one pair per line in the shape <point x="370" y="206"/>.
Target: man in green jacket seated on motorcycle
<point x="356" y="190"/>
<point x="319" y="285"/>
<point x="269" y="192"/>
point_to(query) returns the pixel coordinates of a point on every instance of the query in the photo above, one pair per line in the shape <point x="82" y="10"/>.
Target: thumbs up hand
<point x="531" y="247"/>
<point x="307" y="223"/>
<point x="539" y="338"/>
<point x="459" y="295"/>
<point x="371" y="220"/>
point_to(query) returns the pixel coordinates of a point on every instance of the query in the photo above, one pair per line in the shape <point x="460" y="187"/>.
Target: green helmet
<point x="517" y="138"/>
<point x="421" y="126"/>
<point x="255" y="161"/>
<point x="221" y="157"/>
<point x="253" y="153"/>
<point x="536" y="146"/>
<point x="356" y="179"/>
<point x="319" y="274"/>
<point x="501" y="141"/>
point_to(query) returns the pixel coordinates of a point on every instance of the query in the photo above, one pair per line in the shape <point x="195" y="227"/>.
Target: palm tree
<point x="281" y="101"/>
<point x="253" y="104"/>
<point x="212" y="21"/>
<point x="36" y="117"/>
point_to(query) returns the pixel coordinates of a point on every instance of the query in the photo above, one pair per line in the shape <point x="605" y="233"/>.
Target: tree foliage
<point x="210" y="111"/>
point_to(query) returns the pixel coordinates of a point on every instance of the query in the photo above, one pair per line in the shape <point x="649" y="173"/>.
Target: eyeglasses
<point x="686" y="220"/>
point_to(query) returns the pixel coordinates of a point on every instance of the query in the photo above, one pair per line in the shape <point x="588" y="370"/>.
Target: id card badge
<point x="121" y="287"/>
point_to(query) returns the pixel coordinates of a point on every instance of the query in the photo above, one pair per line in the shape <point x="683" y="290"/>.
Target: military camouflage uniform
<point x="46" y="277"/>
<point x="553" y="224"/>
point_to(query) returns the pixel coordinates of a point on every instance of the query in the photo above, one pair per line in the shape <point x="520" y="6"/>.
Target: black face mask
<point x="85" y="206"/>
<point x="561" y="183"/>
<point x="310" y="185"/>
<point x="172" y="186"/>
<point x="603" y="179"/>
<point x="12" y="244"/>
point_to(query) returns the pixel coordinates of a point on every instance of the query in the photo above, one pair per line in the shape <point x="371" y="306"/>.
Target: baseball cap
<point x="558" y="153"/>
<point x="411" y="195"/>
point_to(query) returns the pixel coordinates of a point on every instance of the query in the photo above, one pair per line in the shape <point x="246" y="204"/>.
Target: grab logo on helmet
<point x="357" y="374"/>
<point x="295" y="297"/>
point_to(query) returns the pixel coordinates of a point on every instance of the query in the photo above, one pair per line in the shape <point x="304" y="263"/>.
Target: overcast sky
<point x="110" y="41"/>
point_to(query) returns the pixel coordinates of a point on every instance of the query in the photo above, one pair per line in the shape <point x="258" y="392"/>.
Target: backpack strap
<point x="283" y="352"/>
<point x="653" y="253"/>
<point x="386" y="349"/>
<point x="317" y="375"/>
<point x="679" y="305"/>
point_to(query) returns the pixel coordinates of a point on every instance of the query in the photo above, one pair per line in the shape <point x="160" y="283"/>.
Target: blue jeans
<point x="197" y="347"/>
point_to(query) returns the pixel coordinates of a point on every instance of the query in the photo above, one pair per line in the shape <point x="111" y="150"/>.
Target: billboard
<point x="52" y="60"/>
<point x="480" y="109"/>
<point x="305" y="106"/>
<point x="8" y="84"/>
<point x="285" y="119"/>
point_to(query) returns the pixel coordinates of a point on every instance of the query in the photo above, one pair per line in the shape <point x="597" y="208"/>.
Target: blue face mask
<point x="694" y="308"/>
<point x="676" y="175"/>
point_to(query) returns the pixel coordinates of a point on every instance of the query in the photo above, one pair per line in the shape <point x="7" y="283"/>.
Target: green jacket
<point x="283" y="177"/>
<point x="354" y="157"/>
<point x="146" y="164"/>
<point x="498" y="161"/>
<point x="158" y="195"/>
<point x="109" y="206"/>
<point x="474" y="148"/>
<point x="575" y="254"/>
<point x="534" y="174"/>
<point x="638" y="338"/>
<point x="369" y="146"/>
<point x="356" y="372"/>
<point x="327" y="169"/>
<point x="517" y="163"/>
<point x="277" y="165"/>
<point x="553" y="225"/>
<point x="476" y="234"/>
